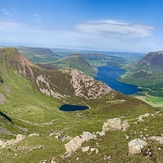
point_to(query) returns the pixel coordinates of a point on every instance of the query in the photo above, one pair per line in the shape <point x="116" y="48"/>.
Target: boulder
<point x="112" y="124"/>
<point x="94" y="150"/>
<point x="74" y="144"/>
<point x="88" y="136"/>
<point x="125" y="125"/>
<point x="78" y="141"/>
<point x="85" y="149"/>
<point x="135" y="146"/>
<point x="19" y="137"/>
<point x="142" y="117"/>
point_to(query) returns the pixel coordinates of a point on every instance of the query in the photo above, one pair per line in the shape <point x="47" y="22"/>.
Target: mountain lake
<point x="109" y="75"/>
<point x="68" y="107"/>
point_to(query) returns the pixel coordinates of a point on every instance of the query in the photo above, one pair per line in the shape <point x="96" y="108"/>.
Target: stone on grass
<point x="34" y="134"/>
<point x="19" y="137"/>
<point x="112" y="124"/>
<point x="135" y="146"/>
<point x="142" y="117"/>
<point x="85" y="149"/>
<point x="125" y="125"/>
<point x="78" y="141"/>
<point x="157" y="138"/>
<point x="102" y="133"/>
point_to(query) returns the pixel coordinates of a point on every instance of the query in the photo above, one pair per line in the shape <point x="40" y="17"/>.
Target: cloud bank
<point x="102" y="35"/>
<point x="107" y="28"/>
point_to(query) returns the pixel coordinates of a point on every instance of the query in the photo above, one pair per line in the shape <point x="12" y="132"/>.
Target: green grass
<point x="33" y="112"/>
<point x="155" y="100"/>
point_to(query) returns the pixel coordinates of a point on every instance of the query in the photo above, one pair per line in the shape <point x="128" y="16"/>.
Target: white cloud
<point x="103" y="35"/>
<point x="5" y="12"/>
<point x="106" y="28"/>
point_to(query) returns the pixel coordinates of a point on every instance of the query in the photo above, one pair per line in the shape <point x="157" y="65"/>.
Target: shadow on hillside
<point x="1" y="80"/>
<point x="5" y="117"/>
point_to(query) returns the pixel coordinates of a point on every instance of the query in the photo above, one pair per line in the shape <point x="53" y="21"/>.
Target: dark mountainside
<point x="33" y="129"/>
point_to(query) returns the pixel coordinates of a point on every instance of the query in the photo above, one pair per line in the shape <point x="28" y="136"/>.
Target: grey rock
<point x="78" y="141"/>
<point x="85" y="149"/>
<point x="135" y="146"/>
<point x="156" y="138"/>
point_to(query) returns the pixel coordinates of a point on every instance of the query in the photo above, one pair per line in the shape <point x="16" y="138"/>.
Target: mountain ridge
<point x="60" y="84"/>
<point x="152" y="59"/>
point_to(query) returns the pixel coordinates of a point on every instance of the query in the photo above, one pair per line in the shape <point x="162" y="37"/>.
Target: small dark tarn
<point x="68" y="107"/>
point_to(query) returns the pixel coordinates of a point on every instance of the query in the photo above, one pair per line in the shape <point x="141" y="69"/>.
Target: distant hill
<point x="38" y="55"/>
<point x="147" y="73"/>
<point x="78" y="62"/>
<point x="153" y="61"/>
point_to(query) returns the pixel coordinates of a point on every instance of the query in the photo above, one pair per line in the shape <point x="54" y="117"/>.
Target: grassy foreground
<point x="32" y="112"/>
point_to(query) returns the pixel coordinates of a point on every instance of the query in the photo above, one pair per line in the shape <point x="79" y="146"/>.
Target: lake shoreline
<point x="110" y="76"/>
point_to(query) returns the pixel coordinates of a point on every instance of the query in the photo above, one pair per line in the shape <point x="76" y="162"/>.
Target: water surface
<point x="110" y="75"/>
<point x="68" y="107"/>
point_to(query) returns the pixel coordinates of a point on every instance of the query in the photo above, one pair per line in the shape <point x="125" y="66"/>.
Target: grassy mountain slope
<point x="34" y="112"/>
<point x="147" y="73"/>
<point x="38" y="55"/>
<point x="77" y="62"/>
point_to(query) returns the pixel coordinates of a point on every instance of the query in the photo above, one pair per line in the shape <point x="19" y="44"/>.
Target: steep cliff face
<point x="61" y="84"/>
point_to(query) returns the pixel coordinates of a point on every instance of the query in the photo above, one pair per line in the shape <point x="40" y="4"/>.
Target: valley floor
<point x="151" y="100"/>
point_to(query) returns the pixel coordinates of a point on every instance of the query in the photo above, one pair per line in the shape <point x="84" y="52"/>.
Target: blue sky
<point x="114" y="25"/>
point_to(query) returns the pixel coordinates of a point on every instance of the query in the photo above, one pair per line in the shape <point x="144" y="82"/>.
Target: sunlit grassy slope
<point x="33" y="112"/>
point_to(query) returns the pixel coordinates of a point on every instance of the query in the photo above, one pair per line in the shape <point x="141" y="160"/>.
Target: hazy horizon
<point x="106" y="25"/>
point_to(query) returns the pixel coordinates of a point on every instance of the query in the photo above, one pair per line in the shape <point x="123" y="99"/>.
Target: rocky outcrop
<point x="142" y="117"/>
<point x="125" y="125"/>
<point x="115" y="124"/>
<point x="78" y="141"/>
<point x="86" y="86"/>
<point x="135" y="146"/>
<point x="19" y="138"/>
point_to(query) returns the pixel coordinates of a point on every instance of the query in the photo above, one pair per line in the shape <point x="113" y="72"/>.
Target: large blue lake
<point x="109" y="75"/>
